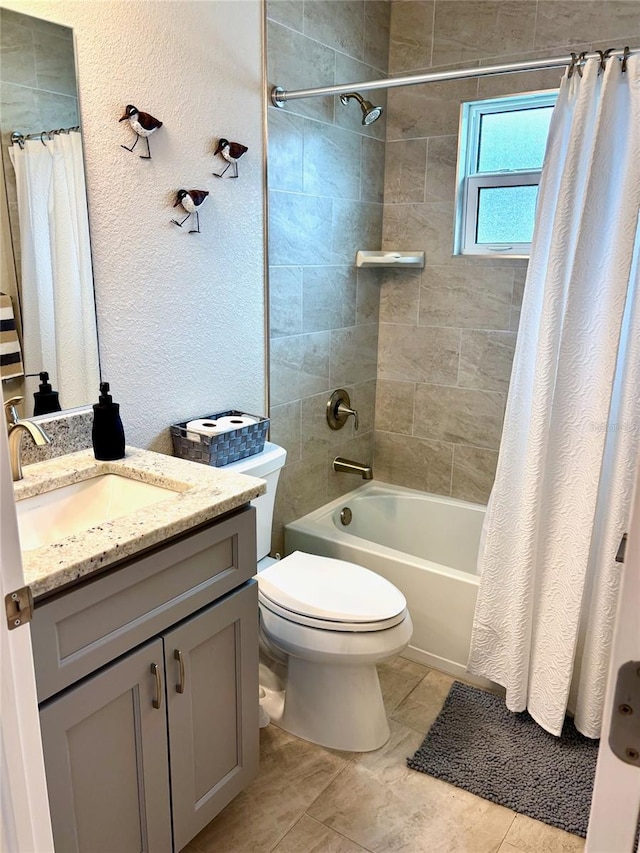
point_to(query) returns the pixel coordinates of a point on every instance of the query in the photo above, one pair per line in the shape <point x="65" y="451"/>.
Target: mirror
<point x="47" y="306"/>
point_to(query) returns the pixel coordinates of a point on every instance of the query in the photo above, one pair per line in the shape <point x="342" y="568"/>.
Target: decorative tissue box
<point x="221" y="449"/>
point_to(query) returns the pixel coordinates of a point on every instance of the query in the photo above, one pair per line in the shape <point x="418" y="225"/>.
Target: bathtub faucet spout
<point x="348" y="466"/>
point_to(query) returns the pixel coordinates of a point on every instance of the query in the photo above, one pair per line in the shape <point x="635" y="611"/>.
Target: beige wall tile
<point x="354" y="355"/>
<point x="418" y="354"/>
<point x="399" y="296"/>
<point x="296" y="62"/>
<point x="431" y="109"/>
<point x="368" y="296"/>
<point x="419" y="709"/>
<point x="372" y="170"/>
<point x="16" y="53"/>
<point x="286" y="135"/>
<point x="55" y="63"/>
<point x="57" y="110"/>
<point x="377" y="15"/>
<point x="302" y="488"/>
<point x="459" y="415"/>
<point x="411" y="34"/>
<point x="328" y="298"/>
<point x="405" y="171"/>
<point x="474" y="470"/>
<point x="310" y="836"/>
<point x="285" y="301"/>
<point x="299" y="366"/>
<point x="300" y="229"/>
<point x="422" y="227"/>
<point x="532" y="836"/>
<point x="476" y="298"/>
<point x="567" y="22"/>
<point x="287" y="12"/>
<point x="416" y="463"/>
<point x="486" y="359"/>
<point x="355" y="225"/>
<point x="331" y="162"/>
<point x="339" y="25"/>
<point x="394" y="406"/>
<point x="286" y="429"/>
<point x="442" y="157"/>
<point x="479" y="28"/>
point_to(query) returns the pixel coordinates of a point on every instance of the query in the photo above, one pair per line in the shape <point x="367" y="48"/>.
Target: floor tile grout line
<point x="341" y="834"/>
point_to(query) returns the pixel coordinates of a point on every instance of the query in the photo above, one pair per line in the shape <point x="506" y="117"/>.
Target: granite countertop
<point x="200" y="494"/>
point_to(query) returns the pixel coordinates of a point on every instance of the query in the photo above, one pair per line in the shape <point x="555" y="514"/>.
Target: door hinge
<point x="19" y="607"/>
<point x="624" y="734"/>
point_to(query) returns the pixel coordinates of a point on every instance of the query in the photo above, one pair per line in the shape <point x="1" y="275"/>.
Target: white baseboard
<point x="451" y="668"/>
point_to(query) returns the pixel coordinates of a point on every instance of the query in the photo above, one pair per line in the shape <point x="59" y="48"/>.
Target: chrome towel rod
<point x="280" y="96"/>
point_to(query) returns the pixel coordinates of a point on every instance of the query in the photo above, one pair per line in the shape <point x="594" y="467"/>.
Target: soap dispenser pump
<point x="107" y="433"/>
<point x="45" y="399"/>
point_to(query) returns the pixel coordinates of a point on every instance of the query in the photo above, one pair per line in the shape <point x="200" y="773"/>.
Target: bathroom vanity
<point x="145" y="654"/>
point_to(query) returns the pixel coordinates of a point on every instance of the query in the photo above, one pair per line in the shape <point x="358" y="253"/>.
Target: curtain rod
<point x="18" y="138"/>
<point x="280" y="96"/>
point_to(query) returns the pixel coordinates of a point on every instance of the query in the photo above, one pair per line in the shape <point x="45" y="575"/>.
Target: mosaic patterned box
<point x="219" y="450"/>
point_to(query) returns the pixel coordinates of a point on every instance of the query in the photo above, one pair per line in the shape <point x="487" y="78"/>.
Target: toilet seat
<point x="330" y="594"/>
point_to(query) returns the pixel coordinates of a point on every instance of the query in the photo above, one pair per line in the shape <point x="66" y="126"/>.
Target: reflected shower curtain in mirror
<point x="59" y="318"/>
<point x="561" y="499"/>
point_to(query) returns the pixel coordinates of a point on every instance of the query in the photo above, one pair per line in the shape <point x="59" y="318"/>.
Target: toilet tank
<point x="266" y="465"/>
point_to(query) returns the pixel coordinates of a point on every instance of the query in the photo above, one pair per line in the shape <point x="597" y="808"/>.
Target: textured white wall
<point x="180" y="316"/>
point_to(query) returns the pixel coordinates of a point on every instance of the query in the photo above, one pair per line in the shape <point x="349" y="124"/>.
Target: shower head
<point x="369" y="112"/>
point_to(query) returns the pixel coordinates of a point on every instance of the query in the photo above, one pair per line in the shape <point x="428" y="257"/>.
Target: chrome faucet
<point x="17" y="429"/>
<point x="348" y="466"/>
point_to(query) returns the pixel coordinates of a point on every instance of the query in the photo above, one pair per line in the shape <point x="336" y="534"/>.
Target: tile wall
<point x="325" y="180"/>
<point x="447" y="334"/>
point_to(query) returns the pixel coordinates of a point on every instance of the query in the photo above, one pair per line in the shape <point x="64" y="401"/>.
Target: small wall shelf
<point x="390" y="259"/>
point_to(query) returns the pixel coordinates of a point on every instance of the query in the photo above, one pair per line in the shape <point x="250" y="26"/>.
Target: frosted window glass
<point x="514" y="139"/>
<point x="506" y="214"/>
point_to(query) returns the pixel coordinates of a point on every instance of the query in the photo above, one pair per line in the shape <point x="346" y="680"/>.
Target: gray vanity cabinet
<point x="212" y="710"/>
<point x="148" y="679"/>
<point x="105" y="750"/>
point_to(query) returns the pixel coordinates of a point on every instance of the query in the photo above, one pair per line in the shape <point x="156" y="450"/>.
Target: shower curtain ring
<point x="581" y="62"/>
<point x="604" y="55"/>
<point x="625" y="56"/>
<point x="43" y="134"/>
<point x="572" y="67"/>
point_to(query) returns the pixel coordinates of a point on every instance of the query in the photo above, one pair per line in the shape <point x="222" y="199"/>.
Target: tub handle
<point x="339" y="410"/>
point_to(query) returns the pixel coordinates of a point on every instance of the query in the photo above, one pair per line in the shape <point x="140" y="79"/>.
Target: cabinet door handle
<point x="178" y="656"/>
<point x="155" y="671"/>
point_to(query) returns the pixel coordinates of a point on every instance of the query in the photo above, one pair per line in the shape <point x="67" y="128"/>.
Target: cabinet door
<point x="105" y="751"/>
<point x="212" y="705"/>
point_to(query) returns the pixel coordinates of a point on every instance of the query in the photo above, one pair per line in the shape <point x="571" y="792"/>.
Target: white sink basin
<point x="52" y="516"/>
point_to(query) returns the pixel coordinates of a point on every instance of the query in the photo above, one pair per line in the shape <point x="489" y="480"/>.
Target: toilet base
<point x="337" y="706"/>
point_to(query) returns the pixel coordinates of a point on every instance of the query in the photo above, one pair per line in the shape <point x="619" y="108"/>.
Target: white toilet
<point x="324" y="625"/>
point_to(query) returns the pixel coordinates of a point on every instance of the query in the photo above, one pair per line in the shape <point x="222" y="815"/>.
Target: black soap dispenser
<point x="45" y="399"/>
<point x="107" y="433"/>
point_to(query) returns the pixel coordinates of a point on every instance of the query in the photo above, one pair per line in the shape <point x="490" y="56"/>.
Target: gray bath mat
<point x="477" y="744"/>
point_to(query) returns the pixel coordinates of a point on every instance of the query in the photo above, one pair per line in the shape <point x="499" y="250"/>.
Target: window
<point x="501" y="149"/>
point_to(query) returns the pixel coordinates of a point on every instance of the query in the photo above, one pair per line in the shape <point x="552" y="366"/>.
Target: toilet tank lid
<point x="330" y="589"/>
<point x="272" y="458"/>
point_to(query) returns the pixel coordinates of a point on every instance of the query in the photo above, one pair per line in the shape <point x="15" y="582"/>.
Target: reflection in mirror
<point x="47" y="306"/>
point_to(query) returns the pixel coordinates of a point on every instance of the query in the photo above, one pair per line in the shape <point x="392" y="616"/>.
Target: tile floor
<point x="308" y="799"/>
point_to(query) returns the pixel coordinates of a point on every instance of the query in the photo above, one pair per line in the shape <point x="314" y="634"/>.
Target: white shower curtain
<point x="59" y="318"/>
<point x="561" y="498"/>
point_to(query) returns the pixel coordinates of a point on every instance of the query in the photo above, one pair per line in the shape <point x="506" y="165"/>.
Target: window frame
<point x="469" y="181"/>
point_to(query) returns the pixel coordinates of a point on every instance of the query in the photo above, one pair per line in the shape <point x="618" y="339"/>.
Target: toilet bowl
<point x="324" y="625"/>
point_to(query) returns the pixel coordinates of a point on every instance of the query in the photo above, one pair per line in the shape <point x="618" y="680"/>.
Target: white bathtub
<point x="425" y="544"/>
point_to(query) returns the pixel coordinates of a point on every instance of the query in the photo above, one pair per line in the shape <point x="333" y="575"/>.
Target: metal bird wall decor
<point x="191" y="200"/>
<point x="143" y="125"/>
<point x="232" y="152"/>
